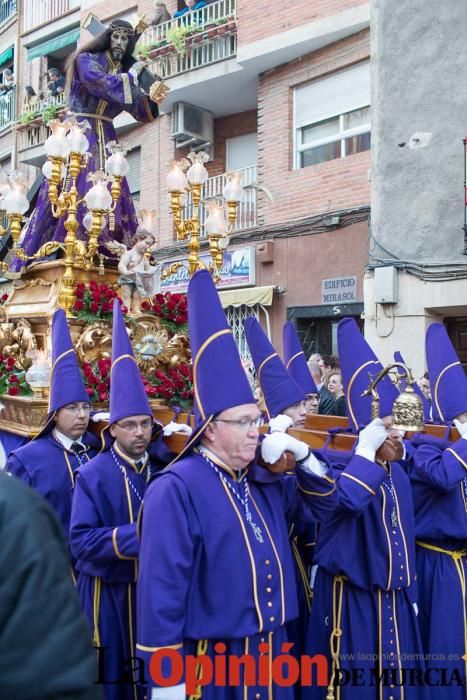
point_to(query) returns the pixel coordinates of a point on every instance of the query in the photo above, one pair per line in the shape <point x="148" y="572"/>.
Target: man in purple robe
<point x="363" y="618"/>
<point x="48" y="463"/>
<point x="216" y="569"/>
<point x="108" y="496"/>
<point x="438" y="473"/>
<point x="102" y="78"/>
<point x="285" y="397"/>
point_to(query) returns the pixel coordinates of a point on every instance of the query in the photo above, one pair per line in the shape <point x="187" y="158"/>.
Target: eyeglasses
<point x="131" y="427"/>
<point x="243" y="423"/>
<point x="77" y="407"/>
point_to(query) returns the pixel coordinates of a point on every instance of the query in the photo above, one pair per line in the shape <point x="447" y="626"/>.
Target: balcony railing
<point x="246" y="212"/>
<point x="37" y="12"/>
<point x="211" y="14"/>
<point x="32" y="137"/>
<point x="7" y="107"/>
<point x="58" y="101"/>
<point x="198" y="55"/>
<point x="7" y="9"/>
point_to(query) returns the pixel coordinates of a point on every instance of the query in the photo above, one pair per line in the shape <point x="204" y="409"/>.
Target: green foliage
<point x="48" y="113"/>
<point x="176" y="36"/>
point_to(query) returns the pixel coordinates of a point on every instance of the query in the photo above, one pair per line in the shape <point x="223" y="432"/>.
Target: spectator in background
<point x="328" y="363"/>
<point x="31" y="97"/>
<point x="8" y="81"/>
<point x="189" y="6"/>
<point x="56" y="84"/>
<point x="333" y="384"/>
<point x="424" y="384"/>
<point x="326" y="400"/>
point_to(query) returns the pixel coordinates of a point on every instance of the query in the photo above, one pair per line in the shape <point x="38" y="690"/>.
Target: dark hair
<point x="53" y="71"/>
<point x="101" y="43"/>
<point x="30" y="92"/>
<point x="425" y="376"/>
<point x="331" y="361"/>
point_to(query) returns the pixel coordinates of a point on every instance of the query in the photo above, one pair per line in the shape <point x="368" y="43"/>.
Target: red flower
<point x="94" y="307"/>
<point x="124" y="309"/>
<point x="185" y="370"/>
<point x="13" y="390"/>
<point x="92" y="379"/>
<point x="160" y="298"/>
<point x="13" y="379"/>
<point x="89" y="390"/>
<point x="78" y="305"/>
<point x="103" y="396"/>
<point x="79" y="293"/>
<point x="106" y="307"/>
<point x="146" y="306"/>
<point x="171" y="304"/>
<point x="4" y="297"/>
<point x="181" y="318"/>
<point x="10" y="363"/>
<point x="156" y="308"/>
<point x="102" y="387"/>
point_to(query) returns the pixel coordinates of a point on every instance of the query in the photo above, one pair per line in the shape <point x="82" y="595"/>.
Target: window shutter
<point x="241" y="151"/>
<point x="338" y="93"/>
<point x="134" y="175"/>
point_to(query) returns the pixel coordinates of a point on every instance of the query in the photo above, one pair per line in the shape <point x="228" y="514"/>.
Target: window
<point x="332" y="116"/>
<point x="241" y="151"/>
<point x="134" y="175"/>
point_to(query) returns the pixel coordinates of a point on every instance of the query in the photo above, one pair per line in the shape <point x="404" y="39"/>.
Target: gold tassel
<point x="201" y="649"/>
<point x="111" y="221"/>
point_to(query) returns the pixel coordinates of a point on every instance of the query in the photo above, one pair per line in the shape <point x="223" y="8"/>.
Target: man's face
<point x="312" y="404"/>
<point x="53" y="77"/>
<point x="392" y="448"/>
<point x="72" y="419"/>
<point x="235" y="440"/>
<point x="297" y="412"/>
<point x="133" y="435"/>
<point x="424" y="385"/>
<point x="118" y="45"/>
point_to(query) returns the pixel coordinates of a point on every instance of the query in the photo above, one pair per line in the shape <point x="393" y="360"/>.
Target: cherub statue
<point x="137" y="276"/>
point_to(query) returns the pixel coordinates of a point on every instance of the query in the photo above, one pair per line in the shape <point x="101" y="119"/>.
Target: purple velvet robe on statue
<point x="204" y="575"/>
<point x="365" y="585"/>
<point x="98" y="88"/>
<point x="46" y="466"/>
<point x="103" y="538"/>
<point x="438" y="472"/>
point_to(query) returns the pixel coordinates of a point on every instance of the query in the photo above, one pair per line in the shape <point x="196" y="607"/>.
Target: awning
<point x="7" y="55"/>
<point x="249" y="296"/>
<point x="58" y="42"/>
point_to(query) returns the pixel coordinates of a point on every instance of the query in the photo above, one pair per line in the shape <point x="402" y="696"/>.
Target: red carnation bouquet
<point x="12" y="381"/>
<point x="170" y="308"/>
<point x="94" y="301"/>
<point x="175" y="387"/>
<point x="97" y="379"/>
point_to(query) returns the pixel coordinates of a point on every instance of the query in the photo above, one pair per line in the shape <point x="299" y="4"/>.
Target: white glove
<point x="280" y="424"/>
<point x="274" y="445"/>
<point x="172" y="428"/>
<point x="101" y="415"/>
<point x="461" y="428"/>
<point x="370" y="439"/>
<point x="174" y="692"/>
<point x="312" y="464"/>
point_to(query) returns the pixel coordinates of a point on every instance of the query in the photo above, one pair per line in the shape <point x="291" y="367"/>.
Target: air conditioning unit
<point x="191" y="126"/>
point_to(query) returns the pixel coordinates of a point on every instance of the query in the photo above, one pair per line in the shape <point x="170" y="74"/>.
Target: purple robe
<point x="103" y="538"/>
<point x="364" y="585"/>
<point x="46" y="466"/>
<point x="438" y="473"/>
<point x="98" y="88"/>
<point x="204" y="572"/>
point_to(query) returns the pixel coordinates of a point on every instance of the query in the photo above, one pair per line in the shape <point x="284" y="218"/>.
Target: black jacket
<point x="45" y="644"/>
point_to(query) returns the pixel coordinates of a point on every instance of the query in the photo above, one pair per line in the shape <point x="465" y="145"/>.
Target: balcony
<point x="39" y="12"/>
<point x="246" y="212"/>
<point x="7" y="9"/>
<point x="32" y="132"/>
<point x="7" y="108"/>
<point x="38" y="107"/>
<point x="197" y="39"/>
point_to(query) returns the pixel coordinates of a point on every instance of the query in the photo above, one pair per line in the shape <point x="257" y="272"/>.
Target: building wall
<point x="417" y="193"/>
<point x="330" y="186"/>
<point x="279" y="16"/>
<point x="300" y="263"/>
